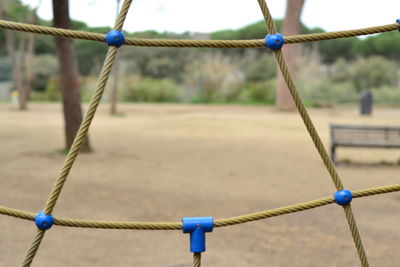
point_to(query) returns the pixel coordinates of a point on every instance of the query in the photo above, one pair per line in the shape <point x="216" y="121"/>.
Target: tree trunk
<point x="290" y="26"/>
<point x="69" y="76"/>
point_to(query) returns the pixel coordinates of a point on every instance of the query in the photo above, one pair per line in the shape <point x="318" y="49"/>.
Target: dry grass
<point x="163" y="162"/>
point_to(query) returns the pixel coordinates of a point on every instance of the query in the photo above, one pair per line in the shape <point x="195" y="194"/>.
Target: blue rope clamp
<point x="115" y="38"/>
<point x="44" y="221"/>
<point x="343" y="197"/>
<point x="274" y="41"/>
<point x="197" y="227"/>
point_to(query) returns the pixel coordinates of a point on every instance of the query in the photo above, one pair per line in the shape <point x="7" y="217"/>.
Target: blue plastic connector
<point x="115" y="38"/>
<point x="44" y="221"/>
<point x="343" y="197"/>
<point x="197" y="227"/>
<point x="274" y="41"/>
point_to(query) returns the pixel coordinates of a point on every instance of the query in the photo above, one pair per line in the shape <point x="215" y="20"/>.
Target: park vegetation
<point x="329" y="72"/>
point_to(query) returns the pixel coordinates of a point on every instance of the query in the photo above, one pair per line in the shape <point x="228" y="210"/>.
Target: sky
<point x="213" y="15"/>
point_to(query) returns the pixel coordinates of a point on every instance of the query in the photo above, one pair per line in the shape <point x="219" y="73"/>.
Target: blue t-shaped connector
<point x="197" y="227"/>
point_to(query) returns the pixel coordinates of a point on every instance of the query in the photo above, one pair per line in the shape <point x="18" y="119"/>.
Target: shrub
<point x="52" y="92"/>
<point x="326" y="91"/>
<point x="151" y="90"/>
<point x="373" y="72"/>
<point x="214" y="77"/>
<point x="261" y="92"/>
<point x="386" y="95"/>
<point x="261" y="69"/>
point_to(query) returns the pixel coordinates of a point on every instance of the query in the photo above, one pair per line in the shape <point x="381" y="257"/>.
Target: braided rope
<point x="33" y="248"/>
<point x="217" y="223"/>
<point x="84" y="127"/>
<point x="314" y="136"/>
<point x="356" y="235"/>
<point x="194" y="43"/>
<point x="79" y="138"/>
<point x="340" y="34"/>
<point x="307" y="121"/>
<point x="196" y="259"/>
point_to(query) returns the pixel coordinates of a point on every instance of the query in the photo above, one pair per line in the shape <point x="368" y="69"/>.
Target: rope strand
<point x="196" y="259"/>
<point x="79" y="138"/>
<point x="67" y="222"/>
<point x="84" y="128"/>
<point x="314" y="136"/>
<point x="259" y="43"/>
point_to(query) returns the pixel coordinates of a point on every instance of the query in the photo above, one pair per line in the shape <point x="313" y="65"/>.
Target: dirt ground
<point x="165" y="162"/>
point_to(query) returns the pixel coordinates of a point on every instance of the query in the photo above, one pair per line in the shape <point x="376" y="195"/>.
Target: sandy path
<point x="164" y="162"/>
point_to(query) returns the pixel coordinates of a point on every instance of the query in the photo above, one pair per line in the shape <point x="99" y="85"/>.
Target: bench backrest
<point x="368" y="136"/>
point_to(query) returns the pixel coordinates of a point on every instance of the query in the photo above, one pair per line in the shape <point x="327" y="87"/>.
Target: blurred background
<point x="330" y="72"/>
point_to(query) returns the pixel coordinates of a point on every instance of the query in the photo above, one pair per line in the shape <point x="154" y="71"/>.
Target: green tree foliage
<point x="331" y="50"/>
<point x="386" y="44"/>
<point x="90" y="56"/>
<point x="5" y="70"/>
<point x="158" y="62"/>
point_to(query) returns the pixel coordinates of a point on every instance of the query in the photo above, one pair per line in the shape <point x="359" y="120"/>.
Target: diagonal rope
<point x="196" y="259"/>
<point x="314" y="135"/>
<point x="79" y="138"/>
<point x="83" y="130"/>
<point x="356" y="236"/>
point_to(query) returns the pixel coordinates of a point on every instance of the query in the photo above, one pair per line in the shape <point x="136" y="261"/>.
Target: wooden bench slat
<point x="363" y="136"/>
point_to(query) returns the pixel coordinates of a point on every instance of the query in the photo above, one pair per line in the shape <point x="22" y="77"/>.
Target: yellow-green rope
<point x="79" y="138"/>
<point x="196" y="259"/>
<point x="67" y="222"/>
<point x="194" y="43"/>
<point x="83" y="130"/>
<point x="314" y="134"/>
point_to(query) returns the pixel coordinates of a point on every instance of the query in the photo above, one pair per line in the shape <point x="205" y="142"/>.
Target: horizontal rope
<point x="340" y="34"/>
<point x="193" y="43"/>
<point x="217" y="223"/>
<point x="24" y="27"/>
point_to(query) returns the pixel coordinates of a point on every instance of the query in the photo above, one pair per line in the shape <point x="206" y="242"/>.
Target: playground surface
<point x="165" y="162"/>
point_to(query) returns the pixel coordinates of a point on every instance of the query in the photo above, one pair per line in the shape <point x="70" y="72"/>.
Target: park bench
<point x="363" y="136"/>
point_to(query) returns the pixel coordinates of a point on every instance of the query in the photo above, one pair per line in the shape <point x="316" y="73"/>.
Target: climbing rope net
<point x="195" y="226"/>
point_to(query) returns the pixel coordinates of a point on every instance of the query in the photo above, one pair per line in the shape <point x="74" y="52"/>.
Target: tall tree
<point x="69" y="76"/>
<point x="291" y="26"/>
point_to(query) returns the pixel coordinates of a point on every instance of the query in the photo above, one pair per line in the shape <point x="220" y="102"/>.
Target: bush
<point x="386" y="95"/>
<point x="261" y="92"/>
<point x="214" y="77"/>
<point x="261" y="69"/>
<point x="151" y="90"/>
<point x="45" y="67"/>
<point x="373" y="72"/>
<point x="326" y="91"/>
<point x="52" y="92"/>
